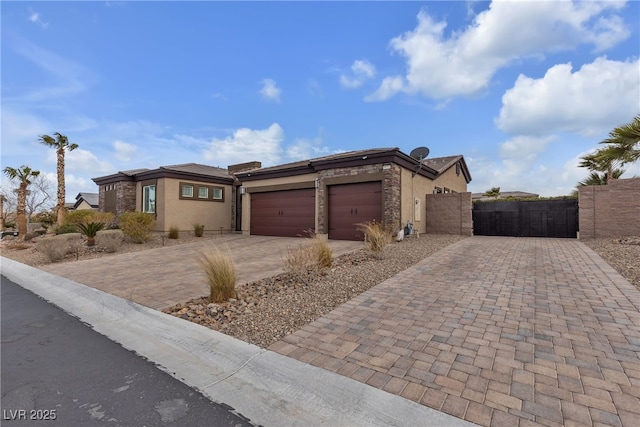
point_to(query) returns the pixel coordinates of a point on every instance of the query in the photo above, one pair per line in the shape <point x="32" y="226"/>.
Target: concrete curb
<point x="264" y="386"/>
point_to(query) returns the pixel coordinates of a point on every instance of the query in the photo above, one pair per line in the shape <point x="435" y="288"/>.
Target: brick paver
<point x="161" y="277"/>
<point x="495" y="330"/>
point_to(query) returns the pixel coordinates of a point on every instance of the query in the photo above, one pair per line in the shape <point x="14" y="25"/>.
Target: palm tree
<point x="61" y="144"/>
<point x="493" y="192"/>
<point x="598" y="164"/>
<point x="599" y="178"/>
<point x="623" y="144"/>
<point x="24" y="175"/>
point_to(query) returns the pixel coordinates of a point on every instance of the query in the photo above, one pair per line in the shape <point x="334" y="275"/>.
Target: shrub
<point x="302" y="263"/>
<point x="324" y="253"/>
<point x="137" y="226"/>
<point x="198" y="230"/>
<point x="110" y="240"/>
<point x="90" y="230"/>
<point x="376" y="237"/>
<point x="220" y="271"/>
<point x="78" y="217"/>
<point x="66" y="228"/>
<point x="54" y="248"/>
<point x="174" y="232"/>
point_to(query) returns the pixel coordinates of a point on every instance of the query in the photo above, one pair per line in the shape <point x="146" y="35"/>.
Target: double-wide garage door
<point x="289" y="213"/>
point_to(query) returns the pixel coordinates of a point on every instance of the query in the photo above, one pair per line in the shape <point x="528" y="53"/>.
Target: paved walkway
<point x="497" y="331"/>
<point x="159" y="278"/>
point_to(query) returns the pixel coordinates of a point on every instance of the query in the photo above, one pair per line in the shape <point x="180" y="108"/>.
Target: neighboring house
<point x="331" y="195"/>
<point x="505" y="195"/>
<point x="328" y="196"/>
<point x="86" y="201"/>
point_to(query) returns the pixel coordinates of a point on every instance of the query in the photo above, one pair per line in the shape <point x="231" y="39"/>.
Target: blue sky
<point x="521" y="89"/>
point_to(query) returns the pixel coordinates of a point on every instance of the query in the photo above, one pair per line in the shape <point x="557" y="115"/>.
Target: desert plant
<point x="174" y="232"/>
<point x="110" y="240"/>
<point x="66" y="229"/>
<point x="137" y="226"/>
<point x="301" y="263"/>
<point x="53" y="248"/>
<point x="198" y="230"/>
<point x="90" y="230"/>
<point x="324" y="253"/>
<point x="220" y="271"/>
<point x="78" y="217"/>
<point x="376" y="237"/>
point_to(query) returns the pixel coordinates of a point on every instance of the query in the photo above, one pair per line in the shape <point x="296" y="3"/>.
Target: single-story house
<point x="86" y="201"/>
<point x="328" y="195"/>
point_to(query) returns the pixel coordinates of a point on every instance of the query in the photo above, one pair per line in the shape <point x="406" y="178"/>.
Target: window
<point x="149" y="199"/>
<point x="437" y="190"/>
<point x="446" y="190"/>
<point x="187" y="190"/>
<point x="217" y="194"/>
<point x="203" y="192"/>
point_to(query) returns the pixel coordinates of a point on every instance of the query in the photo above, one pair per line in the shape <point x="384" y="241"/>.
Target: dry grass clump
<point x="110" y="240"/>
<point x="137" y="226"/>
<point x="174" y="232"/>
<point x="305" y="261"/>
<point x="376" y="237"/>
<point x="220" y="271"/>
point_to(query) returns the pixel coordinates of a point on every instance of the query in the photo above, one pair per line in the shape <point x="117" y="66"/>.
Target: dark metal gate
<point x="526" y="218"/>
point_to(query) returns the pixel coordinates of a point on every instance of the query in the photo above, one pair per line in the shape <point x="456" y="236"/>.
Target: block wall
<point x="449" y="214"/>
<point x="611" y="210"/>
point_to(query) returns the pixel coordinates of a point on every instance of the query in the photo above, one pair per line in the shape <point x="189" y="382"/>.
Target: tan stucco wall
<point x="84" y="206"/>
<point x="184" y="214"/>
<point x="417" y="187"/>
<point x="272" y="184"/>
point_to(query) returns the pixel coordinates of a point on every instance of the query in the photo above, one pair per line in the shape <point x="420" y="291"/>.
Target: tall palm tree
<point x="599" y="178"/>
<point x="598" y="164"/>
<point x="61" y="144"/>
<point x="23" y="175"/>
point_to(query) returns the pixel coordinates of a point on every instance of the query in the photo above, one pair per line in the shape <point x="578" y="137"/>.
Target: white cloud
<point x="361" y="70"/>
<point x="80" y="160"/>
<point x="314" y="89"/>
<point x="591" y="100"/>
<point x="520" y="153"/>
<point x="270" y="91"/>
<point x="246" y="145"/>
<point x="462" y="63"/>
<point x="36" y="19"/>
<point x="123" y="151"/>
<point x="308" y="148"/>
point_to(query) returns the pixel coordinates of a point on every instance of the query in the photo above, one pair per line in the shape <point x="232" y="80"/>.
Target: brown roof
<point x="441" y="164"/>
<point x="198" y="169"/>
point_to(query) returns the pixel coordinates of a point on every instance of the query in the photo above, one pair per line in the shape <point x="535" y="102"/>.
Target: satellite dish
<point x="419" y="153"/>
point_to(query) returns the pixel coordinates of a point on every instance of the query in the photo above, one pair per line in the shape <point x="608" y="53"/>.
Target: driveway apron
<point x="494" y="330"/>
<point x="159" y="278"/>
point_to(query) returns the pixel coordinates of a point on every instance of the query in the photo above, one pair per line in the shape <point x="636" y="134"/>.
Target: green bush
<point x="79" y="217"/>
<point x="220" y="271"/>
<point x="198" y="230"/>
<point x="174" y="232"/>
<point x="66" y="228"/>
<point x="110" y="240"/>
<point x="376" y="237"/>
<point x="137" y="226"/>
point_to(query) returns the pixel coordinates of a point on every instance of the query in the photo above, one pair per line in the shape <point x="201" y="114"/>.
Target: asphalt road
<point x="56" y="371"/>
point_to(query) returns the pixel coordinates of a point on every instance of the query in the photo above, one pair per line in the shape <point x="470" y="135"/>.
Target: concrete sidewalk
<point x="264" y="386"/>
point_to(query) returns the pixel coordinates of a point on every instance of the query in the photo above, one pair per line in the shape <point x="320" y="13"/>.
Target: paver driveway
<point x="495" y="330"/>
<point x="159" y="278"/>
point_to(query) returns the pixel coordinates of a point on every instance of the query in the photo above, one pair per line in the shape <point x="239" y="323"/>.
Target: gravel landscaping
<point x="267" y="310"/>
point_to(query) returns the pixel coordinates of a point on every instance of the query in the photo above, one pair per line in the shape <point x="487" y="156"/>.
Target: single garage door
<point x="289" y="213"/>
<point x="353" y="204"/>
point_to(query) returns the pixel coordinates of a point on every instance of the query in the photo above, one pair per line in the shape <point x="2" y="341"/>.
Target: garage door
<point x="289" y="213"/>
<point x="353" y="204"/>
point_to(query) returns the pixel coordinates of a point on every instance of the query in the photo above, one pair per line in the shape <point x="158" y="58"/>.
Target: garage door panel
<point x="289" y="213"/>
<point x="351" y="205"/>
